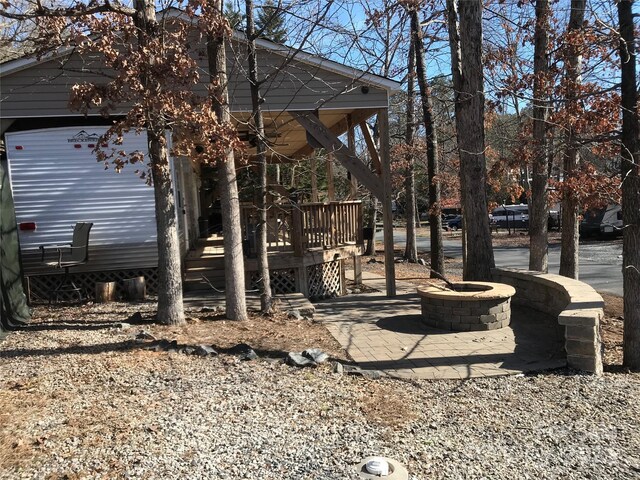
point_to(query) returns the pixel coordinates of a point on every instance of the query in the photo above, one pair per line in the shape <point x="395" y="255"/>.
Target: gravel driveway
<point x="88" y="403"/>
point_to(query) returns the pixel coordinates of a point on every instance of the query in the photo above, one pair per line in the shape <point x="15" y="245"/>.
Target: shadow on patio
<point x="387" y="334"/>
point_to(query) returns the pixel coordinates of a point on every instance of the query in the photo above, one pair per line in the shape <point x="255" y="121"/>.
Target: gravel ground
<point x="80" y="402"/>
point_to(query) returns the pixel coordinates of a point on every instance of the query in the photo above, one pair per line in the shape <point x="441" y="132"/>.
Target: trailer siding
<point x="56" y="185"/>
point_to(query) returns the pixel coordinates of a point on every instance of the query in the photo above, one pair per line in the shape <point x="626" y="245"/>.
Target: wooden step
<point x="210" y="264"/>
<point x="211" y="275"/>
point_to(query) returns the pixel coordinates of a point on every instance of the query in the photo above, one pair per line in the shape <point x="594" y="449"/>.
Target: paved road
<point x="600" y="260"/>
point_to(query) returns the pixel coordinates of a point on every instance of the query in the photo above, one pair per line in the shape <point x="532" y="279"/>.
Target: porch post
<point x="387" y="214"/>
<point x="351" y="141"/>
<point x="331" y="191"/>
<point x="314" y="180"/>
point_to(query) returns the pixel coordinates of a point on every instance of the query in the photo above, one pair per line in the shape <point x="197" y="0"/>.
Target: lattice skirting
<point x="41" y="285"/>
<point x="325" y="279"/>
<point x="282" y="281"/>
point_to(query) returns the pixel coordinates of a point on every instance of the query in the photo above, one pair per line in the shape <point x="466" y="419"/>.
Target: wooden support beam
<point x="337" y="129"/>
<point x="296" y="231"/>
<point x="357" y="269"/>
<point x="351" y="142"/>
<point x="331" y="189"/>
<point x="387" y="213"/>
<point x="342" y="153"/>
<point x="371" y="146"/>
<point x="314" y="179"/>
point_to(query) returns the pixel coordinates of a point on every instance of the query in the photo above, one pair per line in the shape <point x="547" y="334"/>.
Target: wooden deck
<point x="309" y="245"/>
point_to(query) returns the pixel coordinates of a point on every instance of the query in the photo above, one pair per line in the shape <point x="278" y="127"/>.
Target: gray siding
<point x="43" y="89"/>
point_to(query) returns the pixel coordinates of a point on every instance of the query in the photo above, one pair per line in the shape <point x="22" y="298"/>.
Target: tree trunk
<point x="465" y="36"/>
<point x="539" y="205"/>
<point x="435" y="217"/>
<point x="170" y="306"/>
<point x="261" y="149"/>
<point x="570" y="233"/>
<point x="630" y="188"/>
<point x="411" y="249"/>
<point x="236" y="308"/>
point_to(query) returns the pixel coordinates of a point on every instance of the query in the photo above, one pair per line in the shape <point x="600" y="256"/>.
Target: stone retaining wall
<point x="577" y="306"/>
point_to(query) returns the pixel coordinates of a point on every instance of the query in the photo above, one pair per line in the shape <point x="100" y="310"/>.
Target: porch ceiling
<point x="287" y="138"/>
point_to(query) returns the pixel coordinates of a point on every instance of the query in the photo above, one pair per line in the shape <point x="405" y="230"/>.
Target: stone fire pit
<point x="472" y="306"/>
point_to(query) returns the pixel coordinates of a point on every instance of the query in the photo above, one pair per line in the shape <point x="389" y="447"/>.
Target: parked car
<point x="604" y="222"/>
<point x="455" y="223"/>
<point x="511" y="216"/>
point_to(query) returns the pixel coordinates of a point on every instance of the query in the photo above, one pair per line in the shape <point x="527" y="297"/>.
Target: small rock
<point x="316" y="355"/>
<point x="338" y="368"/>
<point x="298" y="360"/>
<point x="135" y="318"/>
<point x="249" y="355"/>
<point x="422" y="262"/>
<point x="144" y="335"/>
<point x="295" y="314"/>
<point x="274" y="361"/>
<point x="209" y="309"/>
<point x="123" y="325"/>
<point x="357" y="371"/>
<point x="243" y="351"/>
<point x="356" y="291"/>
<point x="188" y="350"/>
<point x="154" y="347"/>
<point x="205" y="350"/>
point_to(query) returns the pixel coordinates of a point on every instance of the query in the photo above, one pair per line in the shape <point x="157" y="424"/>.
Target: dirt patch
<point x="274" y="335"/>
<point x="19" y="409"/>
<point x="414" y="272"/>
<point x="611" y="330"/>
<point x="388" y="406"/>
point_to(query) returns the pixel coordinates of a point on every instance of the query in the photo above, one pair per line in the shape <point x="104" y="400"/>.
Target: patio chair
<point x="66" y="257"/>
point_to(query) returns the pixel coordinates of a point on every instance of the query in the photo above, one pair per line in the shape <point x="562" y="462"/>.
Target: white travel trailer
<point x="603" y="221"/>
<point x="56" y="182"/>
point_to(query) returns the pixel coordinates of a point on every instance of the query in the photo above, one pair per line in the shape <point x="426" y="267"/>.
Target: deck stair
<point x="206" y="260"/>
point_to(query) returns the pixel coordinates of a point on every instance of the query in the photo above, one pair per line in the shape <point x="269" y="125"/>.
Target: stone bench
<point x="576" y="305"/>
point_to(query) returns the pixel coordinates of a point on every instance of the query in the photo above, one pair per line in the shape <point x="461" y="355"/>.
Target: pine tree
<point x="234" y="15"/>
<point x="270" y="22"/>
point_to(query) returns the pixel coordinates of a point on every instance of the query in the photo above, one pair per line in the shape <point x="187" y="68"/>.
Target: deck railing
<point x="301" y="227"/>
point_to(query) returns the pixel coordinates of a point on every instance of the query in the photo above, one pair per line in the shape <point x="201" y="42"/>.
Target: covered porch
<point x="310" y="242"/>
<point x="310" y="246"/>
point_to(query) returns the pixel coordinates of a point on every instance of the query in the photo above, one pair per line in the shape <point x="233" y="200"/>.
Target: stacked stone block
<point x="578" y="307"/>
<point x="465" y="316"/>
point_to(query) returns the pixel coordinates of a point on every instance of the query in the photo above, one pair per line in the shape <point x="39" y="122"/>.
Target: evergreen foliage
<point x="270" y="22"/>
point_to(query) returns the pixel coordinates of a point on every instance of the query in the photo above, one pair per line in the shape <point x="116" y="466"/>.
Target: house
<point x="56" y="180"/>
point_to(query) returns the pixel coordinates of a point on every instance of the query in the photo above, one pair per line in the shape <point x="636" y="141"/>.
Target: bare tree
<point x="630" y="187"/>
<point x="261" y="159"/>
<point x="465" y="37"/>
<point x="235" y="300"/>
<point x="539" y="205"/>
<point x="411" y="249"/>
<point x="570" y="235"/>
<point x="435" y="219"/>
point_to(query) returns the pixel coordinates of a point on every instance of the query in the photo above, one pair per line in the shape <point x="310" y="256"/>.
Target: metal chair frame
<point x="68" y="256"/>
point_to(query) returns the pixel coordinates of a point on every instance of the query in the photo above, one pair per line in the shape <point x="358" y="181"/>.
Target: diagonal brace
<point x="346" y="156"/>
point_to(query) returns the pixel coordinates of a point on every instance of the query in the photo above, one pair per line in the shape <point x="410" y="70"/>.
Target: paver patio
<point x="387" y="334"/>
